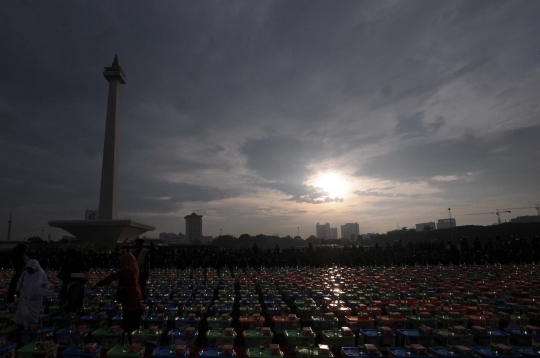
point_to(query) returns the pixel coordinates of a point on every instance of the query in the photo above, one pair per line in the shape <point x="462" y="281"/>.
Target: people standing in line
<point x="73" y="276"/>
<point x="143" y="261"/>
<point x="32" y="286"/>
<point x="19" y="265"/>
<point x="152" y="256"/>
<point x="464" y="245"/>
<point x="128" y="293"/>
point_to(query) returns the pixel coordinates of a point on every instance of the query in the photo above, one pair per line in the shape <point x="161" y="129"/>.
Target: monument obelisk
<point x="108" y="196"/>
<point x="108" y="228"/>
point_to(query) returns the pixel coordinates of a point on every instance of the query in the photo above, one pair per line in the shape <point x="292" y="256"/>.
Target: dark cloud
<point x="372" y="193"/>
<point x="311" y="200"/>
<point x="413" y="125"/>
<point x="297" y="190"/>
<point x="166" y="197"/>
<point x="386" y="195"/>
<point x="318" y="196"/>
<point x="458" y="157"/>
<point x="472" y="167"/>
<point x="281" y="158"/>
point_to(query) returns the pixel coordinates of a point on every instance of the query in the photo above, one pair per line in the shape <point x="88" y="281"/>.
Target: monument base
<point x="103" y="231"/>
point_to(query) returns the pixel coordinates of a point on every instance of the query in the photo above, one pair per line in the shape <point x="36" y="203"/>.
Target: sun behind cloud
<point x="332" y="183"/>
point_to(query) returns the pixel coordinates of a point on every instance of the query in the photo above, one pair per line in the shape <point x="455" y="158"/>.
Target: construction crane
<point x="494" y="212"/>
<point x="527" y="207"/>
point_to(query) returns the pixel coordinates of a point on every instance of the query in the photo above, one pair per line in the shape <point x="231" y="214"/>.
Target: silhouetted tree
<point x="35" y="239"/>
<point x="244" y="237"/>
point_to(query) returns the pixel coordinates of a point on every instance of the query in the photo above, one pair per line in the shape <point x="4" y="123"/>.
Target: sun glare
<point x="333" y="184"/>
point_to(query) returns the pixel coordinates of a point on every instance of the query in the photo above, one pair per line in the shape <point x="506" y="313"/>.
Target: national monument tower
<point x="108" y="228"/>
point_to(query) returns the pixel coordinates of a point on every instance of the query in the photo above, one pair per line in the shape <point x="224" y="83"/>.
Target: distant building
<point x="322" y="231"/>
<point x="167" y="235"/>
<point x="350" y="229"/>
<point x="366" y="239"/>
<point x="526" y="219"/>
<point x="193" y="227"/>
<point x="422" y="226"/>
<point x="181" y="239"/>
<point x="172" y="238"/>
<point x="446" y="223"/>
<point x="313" y="240"/>
<point x="207" y="239"/>
<point x="66" y="238"/>
<point x="347" y="242"/>
<point x="330" y="242"/>
<point x="333" y="233"/>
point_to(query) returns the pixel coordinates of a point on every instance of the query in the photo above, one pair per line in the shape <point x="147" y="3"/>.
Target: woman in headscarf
<point x="32" y="286"/>
<point x="128" y="293"/>
<point x="19" y="265"/>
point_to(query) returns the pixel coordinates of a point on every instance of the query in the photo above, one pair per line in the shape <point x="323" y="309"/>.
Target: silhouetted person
<point x="454" y="253"/>
<point x="477" y="245"/>
<point x="73" y="276"/>
<point x="499" y="250"/>
<point x="128" y="293"/>
<point x="143" y="261"/>
<point x="464" y="245"/>
<point x="32" y="286"/>
<point x="152" y="255"/>
<point x="19" y="266"/>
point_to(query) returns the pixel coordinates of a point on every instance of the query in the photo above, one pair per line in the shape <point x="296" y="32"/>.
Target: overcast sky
<point x="266" y="116"/>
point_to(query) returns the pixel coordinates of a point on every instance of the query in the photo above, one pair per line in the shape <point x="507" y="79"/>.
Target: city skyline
<point x="267" y="117"/>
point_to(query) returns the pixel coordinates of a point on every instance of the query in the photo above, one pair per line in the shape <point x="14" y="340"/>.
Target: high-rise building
<point x="333" y="233"/>
<point x="193" y="227"/>
<point x="322" y="231"/>
<point x="446" y="223"/>
<point x="423" y="226"/>
<point x="350" y="229"/>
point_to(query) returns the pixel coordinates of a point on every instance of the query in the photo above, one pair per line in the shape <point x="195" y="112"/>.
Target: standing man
<point x="19" y="265"/>
<point x="143" y="260"/>
<point x="73" y="276"/>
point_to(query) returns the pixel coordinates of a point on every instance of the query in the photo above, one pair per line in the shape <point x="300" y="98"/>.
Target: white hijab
<point x="32" y="286"/>
<point x="36" y="285"/>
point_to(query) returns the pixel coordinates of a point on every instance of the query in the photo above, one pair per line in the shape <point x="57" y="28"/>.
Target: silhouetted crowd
<point x="503" y="251"/>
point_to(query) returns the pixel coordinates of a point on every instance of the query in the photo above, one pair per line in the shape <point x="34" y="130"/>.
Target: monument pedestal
<point x="109" y="231"/>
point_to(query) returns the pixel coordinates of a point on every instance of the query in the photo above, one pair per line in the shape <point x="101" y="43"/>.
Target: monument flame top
<point x="115" y="72"/>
